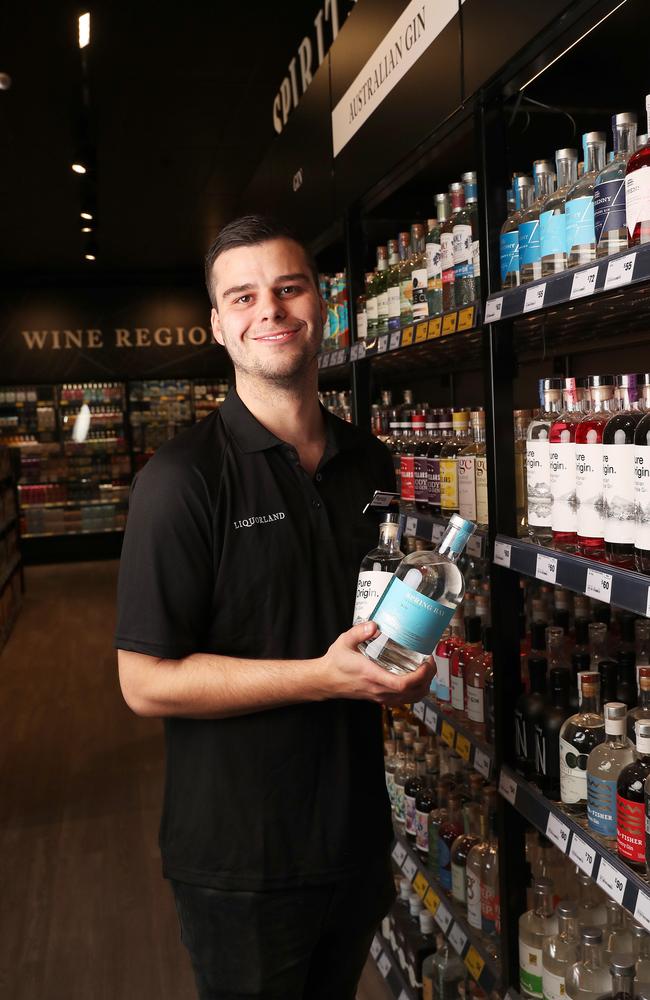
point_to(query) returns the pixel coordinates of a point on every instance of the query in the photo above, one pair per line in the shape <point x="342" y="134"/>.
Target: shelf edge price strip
<point x="474" y="963"/>
<point x="584" y="283"/>
<point x="502" y="552"/>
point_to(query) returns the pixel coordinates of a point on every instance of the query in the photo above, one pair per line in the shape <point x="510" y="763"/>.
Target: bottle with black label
<point x="547" y="733"/>
<point x="530" y="708"/>
<point x="626" y="687"/>
<point x="579" y="735"/>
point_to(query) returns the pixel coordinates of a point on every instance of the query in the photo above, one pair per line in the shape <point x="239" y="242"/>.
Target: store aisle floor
<point x="86" y="914"/>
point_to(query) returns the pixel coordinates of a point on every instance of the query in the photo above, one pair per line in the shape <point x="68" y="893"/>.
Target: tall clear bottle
<point x="579" y="735"/>
<point x="522" y="419"/>
<point x="405" y="283"/>
<point x="434" y="254"/>
<point x="589" y="466"/>
<point x="530" y="245"/>
<point x="419" y="280"/>
<point x="490" y="892"/>
<point x="535" y="928"/>
<point x="467" y="259"/>
<point x="509" y="238"/>
<point x="442" y="973"/>
<point x="398" y="253"/>
<point x="377" y="568"/>
<point x="552" y="220"/>
<point x="605" y="763"/>
<point x="580" y="225"/>
<point x="475" y="860"/>
<point x="445" y="431"/>
<point x="449" y="461"/>
<point x="609" y="189"/>
<point x="589" y="978"/>
<point x="419" y="602"/>
<point x="562" y="463"/>
<point x="538" y="470"/>
<point x="457" y="195"/>
<point x="472" y="473"/>
<point x="618" y="473"/>
<point x="637" y="190"/>
<point x="381" y="288"/>
<point x="560" y="952"/>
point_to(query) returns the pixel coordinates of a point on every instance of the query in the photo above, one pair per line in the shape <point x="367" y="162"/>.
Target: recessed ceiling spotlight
<point x="86" y="215"/>
<point x="86" y="229"/>
<point x="84" y="30"/>
<point x="78" y="168"/>
<point x="90" y="256"/>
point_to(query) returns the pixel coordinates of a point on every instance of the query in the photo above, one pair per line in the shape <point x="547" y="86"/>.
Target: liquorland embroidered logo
<point x="249" y="522"/>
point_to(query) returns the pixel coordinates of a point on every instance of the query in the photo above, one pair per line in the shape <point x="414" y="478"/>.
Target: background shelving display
<point x="458" y="736"/>
<point x="11" y="583"/>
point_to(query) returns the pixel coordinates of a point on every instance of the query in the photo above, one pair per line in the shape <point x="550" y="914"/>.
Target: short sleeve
<point x="166" y="569"/>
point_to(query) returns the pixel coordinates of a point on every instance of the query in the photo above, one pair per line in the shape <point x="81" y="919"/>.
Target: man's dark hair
<point x="250" y="231"/>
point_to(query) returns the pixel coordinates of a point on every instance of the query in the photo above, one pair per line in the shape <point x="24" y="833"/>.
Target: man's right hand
<point x="347" y="673"/>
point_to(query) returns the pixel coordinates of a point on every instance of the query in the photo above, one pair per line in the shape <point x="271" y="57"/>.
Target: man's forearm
<point x="209" y="686"/>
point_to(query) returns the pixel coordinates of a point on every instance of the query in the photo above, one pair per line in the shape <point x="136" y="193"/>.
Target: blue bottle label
<point x="601" y="805"/>
<point x="579" y="223"/>
<point x="509" y="247"/>
<point x="530" y="249"/>
<point x="609" y="206"/>
<point x="444" y="865"/>
<point x="552" y="228"/>
<point x="410" y="618"/>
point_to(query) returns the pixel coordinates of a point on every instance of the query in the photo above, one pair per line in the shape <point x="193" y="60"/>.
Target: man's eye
<point x="289" y="289"/>
<point x="244" y="299"/>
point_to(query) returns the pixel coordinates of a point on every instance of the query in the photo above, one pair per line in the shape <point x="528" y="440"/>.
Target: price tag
<point x="325" y="360"/>
<point x="421" y="332"/>
<point x="432" y="901"/>
<point x="611" y="880"/>
<point x="642" y="910"/>
<point x="474" y="546"/>
<point x="463" y="746"/>
<point x="458" y="938"/>
<point x="482" y="763"/>
<point x="437" y="531"/>
<point x="375" y="947"/>
<point x="361" y="349"/>
<point x="411" y="526"/>
<point x="409" y="868"/>
<point x="584" y="283"/>
<point x="407" y="336"/>
<point x="508" y="787"/>
<point x="394" y="340"/>
<point x="502" y="553"/>
<point x="320" y="361"/>
<point x="382" y="344"/>
<point x="583" y="855"/>
<point x="399" y="853"/>
<point x="599" y="585"/>
<point x="534" y="298"/>
<point x="420" y="885"/>
<point x="384" y="964"/>
<point x="558" y="832"/>
<point x="418" y="710"/>
<point x="443" y="918"/>
<point x="493" y="309"/>
<point x="449" y="323"/>
<point x="546" y="568"/>
<point x="474" y="963"/>
<point x="431" y="719"/>
<point x="447" y="733"/>
<point x="466" y="319"/>
<point x="620" y="271"/>
<point x="354" y="352"/>
<point x="435" y="328"/>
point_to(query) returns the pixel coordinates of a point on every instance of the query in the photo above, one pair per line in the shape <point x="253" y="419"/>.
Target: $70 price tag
<point x="583" y="855"/>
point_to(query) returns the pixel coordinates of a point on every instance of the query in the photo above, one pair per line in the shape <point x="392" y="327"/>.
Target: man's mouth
<point x="276" y="338"/>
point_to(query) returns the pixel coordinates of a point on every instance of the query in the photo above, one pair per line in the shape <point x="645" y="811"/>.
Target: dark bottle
<point x="547" y="733"/>
<point x="420" y="469"/>
<point x="433" y="460"/>
<point x="642" y="711"/>
<point x="608" y="670"/>
<point x="529" y="709"/>
<point x="425" y="801"/>
<point x="488" y="685"/>
<point x="580" y="662"/>
<point x="450" y="828"/>
<point x="628" y="634"/>
<point x="630" y="802"/>
<point x="618" y="475"/>
<point x="413" y="784"/>
<point x="626" y="687"/>
<point x="561" y="619"/>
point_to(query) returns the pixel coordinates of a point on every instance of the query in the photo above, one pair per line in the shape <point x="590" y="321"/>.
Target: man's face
<point x="269" y="313"/>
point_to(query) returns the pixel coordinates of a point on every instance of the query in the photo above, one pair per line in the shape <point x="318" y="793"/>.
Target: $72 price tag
<point x="584" y="282"/>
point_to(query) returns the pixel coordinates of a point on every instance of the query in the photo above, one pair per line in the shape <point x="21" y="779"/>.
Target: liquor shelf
<point x="607" y="274"/>
<point x="430" y="526"/>
<point x="63" y="533"/>
<point x="621" y="587"/>
<point x="458" y="736"/>
<point x="621" y="883"/>
<point x="383" y="958"/>
<point x="481" y="965"/>
<point x="108" y="502"/>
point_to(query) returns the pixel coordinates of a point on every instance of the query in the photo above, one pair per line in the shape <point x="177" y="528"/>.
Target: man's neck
<point x="292" y="413"/>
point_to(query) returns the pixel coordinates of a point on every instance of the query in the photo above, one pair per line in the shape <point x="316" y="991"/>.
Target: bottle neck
<point x="590" y="702"/>
<point x="624" y="140"/>
<point x="552" y="402"/>
<point x="543" y="902"/>
<point x="622" y="984"/>
<point x="382" y="263"/>
<point x="602" y="399"/>
<point x="594" y="157"/>
<point x="479" y="433"/>
<point x="592" y="954"/>
<point x="404" y="251"/>
<point x="393" y="258"/>
<point x="567" y="172"/>
<point x="388" y="536"/>
<point x="644" y="698"/>
<point x="567" y="927"/>
<point x="545" y="185"/>
<point x="442" y="211"/>
<point x="526" y="196"/>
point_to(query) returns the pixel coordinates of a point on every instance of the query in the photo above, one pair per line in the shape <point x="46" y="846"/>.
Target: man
<point x="236" y="592"/>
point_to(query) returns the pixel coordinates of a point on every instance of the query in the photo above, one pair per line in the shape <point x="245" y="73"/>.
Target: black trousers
<point x="290" y="944"/>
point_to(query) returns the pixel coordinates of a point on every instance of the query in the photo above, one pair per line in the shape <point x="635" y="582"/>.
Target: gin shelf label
<point x="463" y="746"/>
<point x="420" y="885"/>
<point x="507" y="787"/>
<point x="599" y="585"/>
<point x="502" y="553"/>
<point x="558" y="832"/>
<point x="437" y="531"/>
<point x="435" y="328"/>
<point x="620" y="271"/>
<point x="418" y="710"/>
<point x="411" y="527"/>
<point x="611" y="880"/>
<point x="431" y="719"/>
<point x="546" y="568"/>
<point x="458" y="938"/>
<point x="584" y="283"/>
<point x="493" y="308"/>
<point x="399" y="853"/>
<point x="409" y="868"/>
<point x="582" y="854"/>
<point x="482" y="763"/>
<point x="474" y="963"/>
<point x="534" y="298"/>
<point x="382" y="344"/>
<point x="443" y="918"/>
<point x="395" y="340"/>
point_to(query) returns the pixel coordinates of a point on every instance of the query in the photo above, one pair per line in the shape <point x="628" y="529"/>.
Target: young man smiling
<point x="236" y="591"/>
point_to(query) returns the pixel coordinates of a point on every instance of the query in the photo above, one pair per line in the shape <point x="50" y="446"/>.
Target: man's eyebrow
<point x="235" y="289"/>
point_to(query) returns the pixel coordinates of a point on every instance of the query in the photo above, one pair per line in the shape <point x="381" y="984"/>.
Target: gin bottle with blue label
<point x="509" y="238"/>
<point x="579" y="208"/>
<point x="530" y="245"/>
<point x="605" y="763"/>
<point x="419" y="602"/>
<point x="552" y="220"/>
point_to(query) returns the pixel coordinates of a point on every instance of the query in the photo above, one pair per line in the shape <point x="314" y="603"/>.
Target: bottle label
<point x="372" y="309"/>
<point x="609" y="207"/>
<point x="382" y="306"/>
<point x="448" y="484"/>
<point x="530" y="969"/>
<point x="409" y="811"/>
<point x="490" y="910"/>
<point x="580" y="229"/>
<point x="406" y="296"/>
<point x="410" y="618"/>
<point x="444" y="865"/>
<point x="553" y="987"/>
<point x="457" y="693"/>
<point x="370" y="586"/>
<point x="390" y="786"/>
<point x="618" y="493"/>
<point x="481" y="483"/>
<point x="521" y="739"/>
<point x="562" y="469"/>
<point x="530" y="247"/>
<point x="573" y="773"/>
<point x="433" y="482"/>
<point x="407" y="477"/>
<point x="601" y="805"/>
<point x="475" y="704"/>
<point x="642" y="496"/>
<point x="509" y="253"/>
<point x="421" y="478"/>
<point x="552" y="228"/>
<point x="420" y="306"/>
<point x="447" y="251"/>
<point x="458" y="883"/>
<point x="400" y="804"/>
<point x="422" y="831"/>
<point x="462" y="244"/>
<point x="637" y="198"/>
<point x="589" y="490"/>
<point x="434" y="261"/>
<point x="362" y="325"/>
<point x="442" y="677"/>
<point x="538" y="476"/>
<point x="630" y="833"/>
<point x="393" y="302"/>
<point x="466" y="487"/>
<point x="473" y="884"/>
<point x="476" y="258"/>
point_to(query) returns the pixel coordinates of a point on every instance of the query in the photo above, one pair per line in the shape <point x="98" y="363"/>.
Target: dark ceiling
<point x="180" y="115"/>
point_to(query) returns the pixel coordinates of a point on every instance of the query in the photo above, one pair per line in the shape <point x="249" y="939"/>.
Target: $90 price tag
<point x="558" y="832"/>
<point x="611" y="880"/>
<point x="583" y="855"/>
<point x="599" y="585"/>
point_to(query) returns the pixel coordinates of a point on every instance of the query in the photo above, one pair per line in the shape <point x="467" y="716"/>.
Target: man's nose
<point x="269" y="306"/>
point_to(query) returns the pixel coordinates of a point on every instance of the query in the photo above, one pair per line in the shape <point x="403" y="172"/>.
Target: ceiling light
<point x="78" y="168"/>
<point x="86" y="229"/>
<point x="84" y="30"/>
<point x="90" y="256"/>
<point x="86" y="215"/>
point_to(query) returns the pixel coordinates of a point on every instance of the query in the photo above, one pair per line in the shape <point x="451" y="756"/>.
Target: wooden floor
<point x="86" y="914"/>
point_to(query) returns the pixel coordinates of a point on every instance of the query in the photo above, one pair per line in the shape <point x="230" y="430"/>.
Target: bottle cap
<point x="644" y="678"/>
<point x="389" y="747"/>
<point x="405" y="238"/>
<point x="426" y="922"/>
<point x="615" y="710"/>
<point x="566" y="154"/>
<point x="566" y="908"/>
<point x="591" y="935"/>
<point x="415" y="905"/>
<point x="417" y="231"/>
<point x="382" y="253"/>
<point x="589" y="683"/>
<point x="543" y="167"/>
<point x="595" y="381"/>
<point x="404" y="889"/>
<point x="457" y="535"/>
<point x="593" y="139"/>
<point x="624" y="118"/>
<point x="522" y="182"/>
<point x="622" y="965"/>
<point x="542" y="882"/>
<point x="455" y="187"/>
<point x="642" y="727"/>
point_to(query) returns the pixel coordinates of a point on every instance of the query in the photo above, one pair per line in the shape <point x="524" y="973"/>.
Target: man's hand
<point x="347" y="673"/>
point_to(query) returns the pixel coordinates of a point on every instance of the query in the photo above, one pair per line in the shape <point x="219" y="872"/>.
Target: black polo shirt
<point x="232" y="548"/>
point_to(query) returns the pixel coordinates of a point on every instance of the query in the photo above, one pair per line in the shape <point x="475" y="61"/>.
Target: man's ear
<point x="215" y="323"/>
